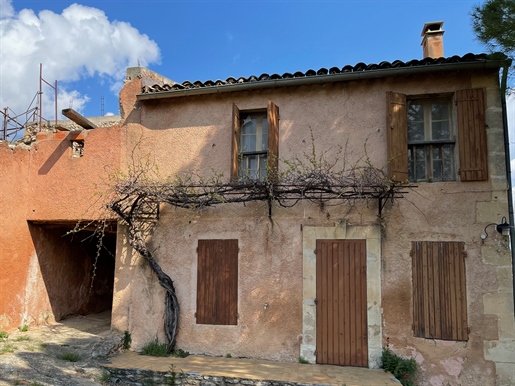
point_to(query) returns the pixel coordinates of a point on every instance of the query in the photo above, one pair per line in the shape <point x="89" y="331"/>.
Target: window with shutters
<point x="255" y="149"/>
<point x="439" y="290"/>
<point x="217" y="282"/>
<point x="424" y="134"/>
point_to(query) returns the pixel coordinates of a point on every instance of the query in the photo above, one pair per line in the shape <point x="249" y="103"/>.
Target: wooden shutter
<point x="397" y="136"/>
<point x="217" y="282"/>
<point x="273" y="140"/>
<point x="472" y="134"/>
<point x="439" y="290"/>
<point x="236" y="126"/>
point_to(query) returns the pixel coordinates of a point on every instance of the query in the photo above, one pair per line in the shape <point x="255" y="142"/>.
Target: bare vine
<point x="139" y="193"/>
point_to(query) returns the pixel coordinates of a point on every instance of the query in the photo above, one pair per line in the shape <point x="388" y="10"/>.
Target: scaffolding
<point x="31" y="120"/>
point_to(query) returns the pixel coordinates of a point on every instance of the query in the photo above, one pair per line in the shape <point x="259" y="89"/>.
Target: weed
<point x="179" y="353"/>
<point x="105" y="376"/>
<point x="303" y="361"/>
<point x="155" y="349"/>
<point x="22" y="339"/>
<point x="69" y="357"/>
<point x="127" y="340"/>
<point x="24" y="328"/>
<point x="228" y="355"/>
<point x="31" y="347"/>
<point x="43" y="346"/>
<point x="7" y="348"/>
<point x="403" y="369"/>
<point x="171" y="380"/>
<point x="4" y="335"/>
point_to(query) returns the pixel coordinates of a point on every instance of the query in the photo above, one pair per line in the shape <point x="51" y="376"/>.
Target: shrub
<point x="4" y="335"/>
<point x="180" y="353"/>
<point x="127" y="340"/>
<point x="69" y="357"/>
<point x="23" y="328"/>
<point x="155" y="349"/>
<point x="303" y="361"/>
<point x="403" y="369"/>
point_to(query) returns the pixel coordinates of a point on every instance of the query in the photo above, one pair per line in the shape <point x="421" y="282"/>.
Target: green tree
<point x="494" y="25"/>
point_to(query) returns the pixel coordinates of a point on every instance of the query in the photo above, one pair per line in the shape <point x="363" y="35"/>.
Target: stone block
<point x="505" y="374"/>
<point x="498" y="303"/>
<point x="496" y="253"/>
<point x="491" y="212"/>
<point x="500" y="351"/>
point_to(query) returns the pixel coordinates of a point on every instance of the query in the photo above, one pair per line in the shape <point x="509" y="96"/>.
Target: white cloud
<point x="77" y="44"/>
<point x="6" y="9"/>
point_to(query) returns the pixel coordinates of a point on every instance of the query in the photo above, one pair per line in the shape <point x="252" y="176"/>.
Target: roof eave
<point x="330" y="78"/>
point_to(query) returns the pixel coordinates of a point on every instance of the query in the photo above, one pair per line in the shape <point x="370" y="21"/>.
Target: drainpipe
<point x="504" y="81"/>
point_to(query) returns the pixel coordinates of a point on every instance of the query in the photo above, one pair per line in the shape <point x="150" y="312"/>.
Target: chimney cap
<point x="432" y="27"/>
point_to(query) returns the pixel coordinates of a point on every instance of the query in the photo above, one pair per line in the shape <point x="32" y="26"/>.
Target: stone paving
<point x="32" y="358"/>
<point x="251" y="369"/>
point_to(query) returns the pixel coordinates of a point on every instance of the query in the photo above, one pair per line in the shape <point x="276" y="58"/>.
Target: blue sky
<point x="200" y="40"/>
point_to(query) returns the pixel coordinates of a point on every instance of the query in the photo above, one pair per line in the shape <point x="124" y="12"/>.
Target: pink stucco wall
<point x="185" y="134"/>
<point x="194" y="134"/>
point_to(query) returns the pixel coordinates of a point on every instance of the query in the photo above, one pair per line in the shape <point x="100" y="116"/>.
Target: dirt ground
<point x="67" y="353"/>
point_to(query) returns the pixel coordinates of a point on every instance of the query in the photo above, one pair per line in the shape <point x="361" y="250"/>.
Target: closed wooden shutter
<point x="472" y="135"/>
<point x="397" y="136"/>
<point x="217" y="282"/>
<point x="439" y="290"/>
<point x="273" y="140"/>
<point x="236" y="125"/>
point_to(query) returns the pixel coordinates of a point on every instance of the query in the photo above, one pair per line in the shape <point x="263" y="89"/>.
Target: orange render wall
<point x="44" y="183"/>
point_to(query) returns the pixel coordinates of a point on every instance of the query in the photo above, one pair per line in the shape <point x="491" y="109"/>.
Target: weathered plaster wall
<point x="194" y="134"/>
<point x="45" y="184"/>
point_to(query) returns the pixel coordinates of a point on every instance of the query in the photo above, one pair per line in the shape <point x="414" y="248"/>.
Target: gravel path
<point x="67" y="353"/>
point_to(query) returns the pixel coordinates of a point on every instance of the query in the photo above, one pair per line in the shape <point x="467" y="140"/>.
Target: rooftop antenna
<point x="102" y="106"/>
<point x="71" y="103"/>
<point x="139" y="65"/>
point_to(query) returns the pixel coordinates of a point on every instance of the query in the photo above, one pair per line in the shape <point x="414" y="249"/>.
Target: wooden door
<point x="341" y="313"/>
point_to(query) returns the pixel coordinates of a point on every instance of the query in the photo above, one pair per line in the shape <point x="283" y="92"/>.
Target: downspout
<point x="504" y="81"/>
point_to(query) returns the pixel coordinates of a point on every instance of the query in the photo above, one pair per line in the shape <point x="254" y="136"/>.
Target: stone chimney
<point x="432" y="39"/>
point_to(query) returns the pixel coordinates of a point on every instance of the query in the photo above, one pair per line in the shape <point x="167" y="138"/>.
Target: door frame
<point x="372" y="235"/>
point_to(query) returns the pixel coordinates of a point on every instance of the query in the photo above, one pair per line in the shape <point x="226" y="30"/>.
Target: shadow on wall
<point x="67" y="265"/>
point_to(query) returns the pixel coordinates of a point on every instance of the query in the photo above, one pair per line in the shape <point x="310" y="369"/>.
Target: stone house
<point x="431" y="276"/>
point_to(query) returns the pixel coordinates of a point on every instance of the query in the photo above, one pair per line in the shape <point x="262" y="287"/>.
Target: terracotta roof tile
<point x="359" y="67"/>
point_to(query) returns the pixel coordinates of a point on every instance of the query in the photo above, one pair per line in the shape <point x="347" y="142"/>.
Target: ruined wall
<point x="45" y="184"/>
<point x="194" y="134"/>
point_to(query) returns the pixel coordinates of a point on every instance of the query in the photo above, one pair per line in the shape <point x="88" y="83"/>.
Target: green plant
<point x="6" y="348"/>
<point x="303" y="361"/>
<point x="127" y="340"/>
<point x="180" y="353"/>
<point x="22" y="338"/>
<point x="4" y="335"/>
<point x="43" y="346"/>
<point x="24" y="328"/>
<point x="228" y="355"/>
<point x="69" y="357"/>
<point x="171" y="379"/>
<point x="105" y="376"/>
<point x="403" y="369"/>
<point x="155" y="349"/>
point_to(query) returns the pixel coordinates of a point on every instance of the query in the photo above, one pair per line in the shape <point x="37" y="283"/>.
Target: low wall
<point x="136" y="377"/>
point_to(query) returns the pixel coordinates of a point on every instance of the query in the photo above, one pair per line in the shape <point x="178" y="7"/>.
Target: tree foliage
<point x="494" y="25"/>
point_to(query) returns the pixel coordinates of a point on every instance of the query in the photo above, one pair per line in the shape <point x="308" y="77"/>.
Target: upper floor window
<point x="422" y="139"/>
<point x="253" y="146"/>
<point x="255" y="143"/>
<point x="430" y="140"/>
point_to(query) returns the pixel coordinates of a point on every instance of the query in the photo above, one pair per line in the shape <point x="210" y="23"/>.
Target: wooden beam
<point x="79" y="119"/>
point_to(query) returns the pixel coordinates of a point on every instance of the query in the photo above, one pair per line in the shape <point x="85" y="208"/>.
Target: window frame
<point x="272" y="157"/>
<point x="429" y="144"/>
